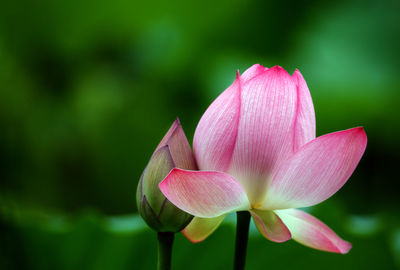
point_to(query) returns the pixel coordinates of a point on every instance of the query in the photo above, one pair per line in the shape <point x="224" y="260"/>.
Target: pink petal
<point x="270" y="226"/>
<point x="204" y="193"/>
<point x="215" y="135"/>
<point x="251" y="72"/>
<point x="311" y="232"/>
<point x="266" y="129"/>
<point x="178" y="147"/>
<point x="304" y="127"/>
<point x="200" y="228"/>
<point x="175" y="125"/>
<point x="317" y="171"/>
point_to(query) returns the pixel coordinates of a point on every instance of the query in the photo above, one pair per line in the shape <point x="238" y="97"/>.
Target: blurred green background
<point x="89" y="88"/>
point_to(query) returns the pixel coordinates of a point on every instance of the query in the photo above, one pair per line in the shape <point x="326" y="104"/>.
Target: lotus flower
<point x="256" y="150"/>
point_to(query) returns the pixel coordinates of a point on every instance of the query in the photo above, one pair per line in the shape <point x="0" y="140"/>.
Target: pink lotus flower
<point x="256" y="149"/>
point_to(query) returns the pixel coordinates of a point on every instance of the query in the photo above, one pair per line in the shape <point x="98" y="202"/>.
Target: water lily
<point x="256" y="150"/>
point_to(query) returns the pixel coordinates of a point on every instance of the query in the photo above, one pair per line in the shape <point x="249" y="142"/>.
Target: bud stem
<point x="242" y="236"/>
<point x="165" y="241"/>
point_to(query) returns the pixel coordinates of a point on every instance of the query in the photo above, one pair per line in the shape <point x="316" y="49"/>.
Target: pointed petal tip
<point x="358" y="132"/>
<point x="257" y="65"/>
<point x="252" y="72"/>
<point x="177" y="121"/>
<point x="360" y="129"/>
<point x="311" y="232"/>
<point x="361" y="132"/>
<point x="344" y="248"/>
<point x="297" y="73"/>
<point x="279" y="71"/>
<point x="237" y="74"/>
<point x="176" y="125"/>
<point x="277" y="68"/>
<point x="275" y="71"/>
<point x="354" y="130"/>
<point x="341" y="248"/>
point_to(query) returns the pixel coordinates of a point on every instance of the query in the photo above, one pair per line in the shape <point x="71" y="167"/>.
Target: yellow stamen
<point x="255" y="206"/>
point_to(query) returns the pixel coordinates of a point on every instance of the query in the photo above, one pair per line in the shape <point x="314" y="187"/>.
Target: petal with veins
<point x="270" y="225"/>
<point x="265" y="131"/>
<point x="215" y="135"/>
<point x="317" y="171"/>
<point x="252" y="71"/>
<point x="204" y="193"/>
<point x="304" y="126"/>
<point x="311" y="232"/>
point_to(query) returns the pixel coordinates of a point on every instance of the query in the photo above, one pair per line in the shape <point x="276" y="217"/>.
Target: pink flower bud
<point x="173" y="152"/>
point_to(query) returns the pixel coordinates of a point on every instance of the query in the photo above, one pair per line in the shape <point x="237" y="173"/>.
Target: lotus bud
<point x="173" y="152"/>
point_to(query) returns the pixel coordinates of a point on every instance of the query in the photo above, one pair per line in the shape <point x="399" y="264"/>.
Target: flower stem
<point x="242" y="236"/>
<point x="165" y="241"/>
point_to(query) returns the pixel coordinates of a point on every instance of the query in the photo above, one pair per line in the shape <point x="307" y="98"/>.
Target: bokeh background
<point x="88" y="89"/>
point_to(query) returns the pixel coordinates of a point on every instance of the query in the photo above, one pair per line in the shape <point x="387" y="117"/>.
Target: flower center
<point x="255" y="206"/>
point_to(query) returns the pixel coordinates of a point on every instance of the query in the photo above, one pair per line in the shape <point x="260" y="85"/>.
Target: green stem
<point x="242" y="236"/>
<point x="165" y="241"/>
